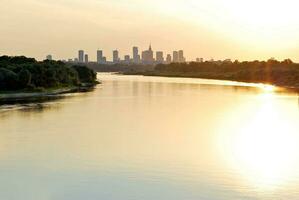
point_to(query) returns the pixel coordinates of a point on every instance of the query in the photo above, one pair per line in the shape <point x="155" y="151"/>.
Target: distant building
<point x="136" y="56"/>
<point x="168" y="58"/>
<point x="181" y="56"/>
<point x="76" y="60"/>
<point x="115" y="56"/>
<point x="148" y="56"/>
<point x="49" y="57"/>
<point x="99" y="56"/>
<point x="138" y="59"/>
<point x="159" y="57"/>
<point x="70" y="60"/>
<point x="86" y="58"/>
<point x="81" y="56"/>
<point x="199" y="60"/>
<point x="127" y="59"/>
<point x="104" y="60"/>
<point x="227" y="61"/>
<point x="175" y="57"/>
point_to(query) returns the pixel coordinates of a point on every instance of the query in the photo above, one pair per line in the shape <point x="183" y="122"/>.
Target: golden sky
<point x="219" y="29"/>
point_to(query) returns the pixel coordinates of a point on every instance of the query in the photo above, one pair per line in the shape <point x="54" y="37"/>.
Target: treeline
<point x="120" y="67"/>
<point x="17" y="73"/>
<point x="285" y="73"/>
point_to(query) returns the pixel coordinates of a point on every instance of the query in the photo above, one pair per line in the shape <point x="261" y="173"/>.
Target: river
<point x="153" y="138"/>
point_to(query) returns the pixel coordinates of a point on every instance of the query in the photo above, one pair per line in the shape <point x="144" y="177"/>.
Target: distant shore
<point x="213" y="77"/>
<point x="272" y="72"/>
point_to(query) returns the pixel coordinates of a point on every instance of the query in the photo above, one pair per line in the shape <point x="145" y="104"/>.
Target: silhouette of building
<point x="148" y="56"/>
<point x="86" y="58"/>
<point x="115" y="56"/>
<point x="159" y="57"/>
<point x="99" y="56"/>
<point x="76" y="60"/>
<point x="136" y="56"/>
<point x="138" y="59"/>
<point x="175" y="57"/>
<point x="127" y="59"/>
<point x="81" y="56"/>
<point x="181" y="56"/>
<point x="168" y="58"/>
<point x="49" y="57"/>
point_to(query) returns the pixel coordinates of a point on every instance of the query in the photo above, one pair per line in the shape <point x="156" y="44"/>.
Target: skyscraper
<point x="175" y="57"/>
<point x="49" y="57"/>
<point x="159" y="57"/>
<point x="181" y="56"/>
<point x="127" y="59"/>
<point x="148" y="56"/>
<point x="86" y="58"/>
<point x="168" y="58"/>
<point x="199" y="60"/>
<point x="99" y="56"/>
<point x="81" y="56"/>
<point x="115" y="56"/>
<point x="136" y="57"/>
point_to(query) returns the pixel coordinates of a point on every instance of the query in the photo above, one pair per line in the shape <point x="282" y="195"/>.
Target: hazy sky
<point x="219" y="29"/>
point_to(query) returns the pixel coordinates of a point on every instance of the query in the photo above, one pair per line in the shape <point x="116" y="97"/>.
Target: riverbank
<point x="21" y="96"/>
<point x="224" y="77"/>
<point x="281" y="74"/>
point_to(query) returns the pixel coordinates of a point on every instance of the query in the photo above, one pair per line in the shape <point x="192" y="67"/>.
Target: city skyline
<point x="213" y="29"/>
<point x="136" y="56"/>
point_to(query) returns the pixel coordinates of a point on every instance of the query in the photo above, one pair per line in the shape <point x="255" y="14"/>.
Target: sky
<point x="218" y="29"/>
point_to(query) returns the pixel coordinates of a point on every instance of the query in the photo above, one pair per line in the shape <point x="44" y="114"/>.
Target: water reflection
<point x="154" y="138"/>
<point x="263" y="144"/>
<point x="36" y="105"/>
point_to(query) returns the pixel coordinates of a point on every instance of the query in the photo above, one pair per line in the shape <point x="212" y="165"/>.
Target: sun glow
<point x="262" y="24"/>
<point x="268" y="88"/>
<point x="264" y="148"/>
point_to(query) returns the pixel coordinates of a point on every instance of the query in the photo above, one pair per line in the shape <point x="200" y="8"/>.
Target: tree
<point x="8" y="80"/>
<point x="24" y="78"/>
<point x="86" y="75"/>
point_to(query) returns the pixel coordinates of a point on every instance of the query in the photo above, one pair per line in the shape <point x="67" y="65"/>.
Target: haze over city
<point x="244" y="30"/>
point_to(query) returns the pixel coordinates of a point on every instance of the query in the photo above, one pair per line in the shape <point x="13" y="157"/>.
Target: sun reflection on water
<point x="263" y="147"/>
<point x="268" y="88"/>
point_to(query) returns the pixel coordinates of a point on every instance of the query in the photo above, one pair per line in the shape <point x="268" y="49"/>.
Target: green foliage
<point x="26" y="73"/>
<point x="86" y="75"/>
<point x="24" y="78"/>
<point x="284" y="73"/>
<point x="8" y="79"/>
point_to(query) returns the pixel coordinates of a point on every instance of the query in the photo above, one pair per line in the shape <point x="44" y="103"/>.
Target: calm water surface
<point x="153" y="138"/>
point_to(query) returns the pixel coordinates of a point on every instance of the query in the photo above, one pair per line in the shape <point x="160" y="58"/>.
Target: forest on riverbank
<point x="26" y="74"/>
<point x="280" y="73"/>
